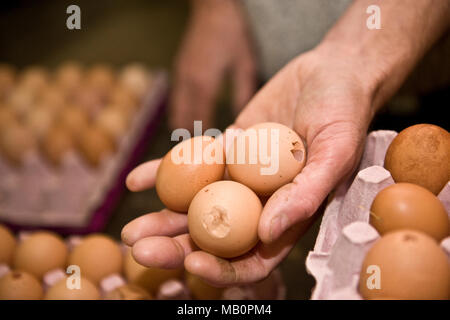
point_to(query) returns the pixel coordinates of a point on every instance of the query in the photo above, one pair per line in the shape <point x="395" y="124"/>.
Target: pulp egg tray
<point x="345" y="234"/>
<point x="271" y="288"/>
<point x="76" y="198"/>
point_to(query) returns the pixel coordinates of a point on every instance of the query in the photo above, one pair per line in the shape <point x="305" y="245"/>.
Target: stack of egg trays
<point x="345" y="235"/>
<point x="77" y="198"/>
<point x="271" y="288"/>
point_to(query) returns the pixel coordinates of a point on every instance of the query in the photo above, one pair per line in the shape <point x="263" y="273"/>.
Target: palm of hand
<point x="330" y="109"/>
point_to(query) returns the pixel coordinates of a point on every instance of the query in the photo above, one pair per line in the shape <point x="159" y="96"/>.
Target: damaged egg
<point x="223" y="219"/>
<point x="265" y="157"/>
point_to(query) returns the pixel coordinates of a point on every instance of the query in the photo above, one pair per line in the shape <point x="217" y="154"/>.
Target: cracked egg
<point x="223" y="219"/>
<point x="265" y="157"/>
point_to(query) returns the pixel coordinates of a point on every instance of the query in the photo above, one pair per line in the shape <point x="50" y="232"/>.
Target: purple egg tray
<point x="345" y="234"/>
<point x="77" y="199"/>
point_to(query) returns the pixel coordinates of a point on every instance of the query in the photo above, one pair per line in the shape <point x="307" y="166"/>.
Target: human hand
<point x="216" y="42"/>
<point x="326" y="100"/>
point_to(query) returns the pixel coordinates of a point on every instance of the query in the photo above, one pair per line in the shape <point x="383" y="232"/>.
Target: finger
<point x="181" y="106"/>
<point x="299" y="200"/>
<point x="244" y="82"/>
<point x="163" y="223"/>
<point x="144" y="176"/>
<point x="163" y="252"/>
<point x="253" y="266"/>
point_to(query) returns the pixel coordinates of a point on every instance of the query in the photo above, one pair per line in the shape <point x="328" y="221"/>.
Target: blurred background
<point x="119" y="33"/>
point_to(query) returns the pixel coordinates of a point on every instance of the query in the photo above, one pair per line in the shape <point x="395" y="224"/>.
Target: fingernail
<point x="278" y="225"/>
<point x="125" y="235"/>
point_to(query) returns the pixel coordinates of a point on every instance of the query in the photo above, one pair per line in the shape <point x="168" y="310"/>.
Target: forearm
<point x="384" y="57"/>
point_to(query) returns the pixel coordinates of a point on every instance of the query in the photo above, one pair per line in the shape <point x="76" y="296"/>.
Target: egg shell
<point x="420" y="154"/>
<point x="20" y="285"/>
<point x="7" y="245"/>
<point x="97" y="256"/>
<point x="223" y="219"/>
<point x="95" y="145"/>
<point x="177" y="183"/>
<point x="411" y="266"/>
<point x="201" y="290"/>
<point x="60" y="291"/>
<point x="409" y="206"/>
<point x="148" y="278"/>
<point x="263" y="172"/>
<point x="40" y="252"/>
<point x="128" y="292"/>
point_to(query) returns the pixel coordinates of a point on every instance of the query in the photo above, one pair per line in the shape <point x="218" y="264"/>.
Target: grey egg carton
<point x="39" y="195"/>
<point x="345" y="235"/>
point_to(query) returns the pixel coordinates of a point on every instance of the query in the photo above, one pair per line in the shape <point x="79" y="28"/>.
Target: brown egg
<point x="128" y="292"/>
<point x="148" y="278"/>
<point x="196" y="163"/>
<point x="7" y="116"/>
<point x="98" y="256"/>
<point x="75" y="119"/>
<point x="34" y="78"/>
<point x="90" y="100"/>
<point x="266" y="171"/>
<point x="7" y="80"/>
<point x="15" y="142"/>
<point x="420" y="154"/>
<point x="95" y="145"/>
<point x="19" y="285"/>
<point x="39" y="120"/>
<point x="21" y="100"/>
<point x="40" y="252"/>
<point x="223" y="219"/>
<point x="124" y="99"/>
<point x="409" y="206"/>
<point x="53" y="98"/>
<point x="56" y="144"/>
<point x="136" y="78"/>
<point x="113" y="121"/>
<point x="409" y="265"/>
<point x="69" y="76"/>
<point x="101" y="78"/>
<point x="60" y="291"/>
<point x="7" y="245"/>
<point x="201" y="290"/>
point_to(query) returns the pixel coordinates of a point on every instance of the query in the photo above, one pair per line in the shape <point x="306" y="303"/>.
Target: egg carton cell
<point x="77" y="197"/>
<point x="345" y="235"/>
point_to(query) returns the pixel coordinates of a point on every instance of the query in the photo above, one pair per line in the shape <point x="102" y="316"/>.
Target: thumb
<point x="299" y="200"/>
